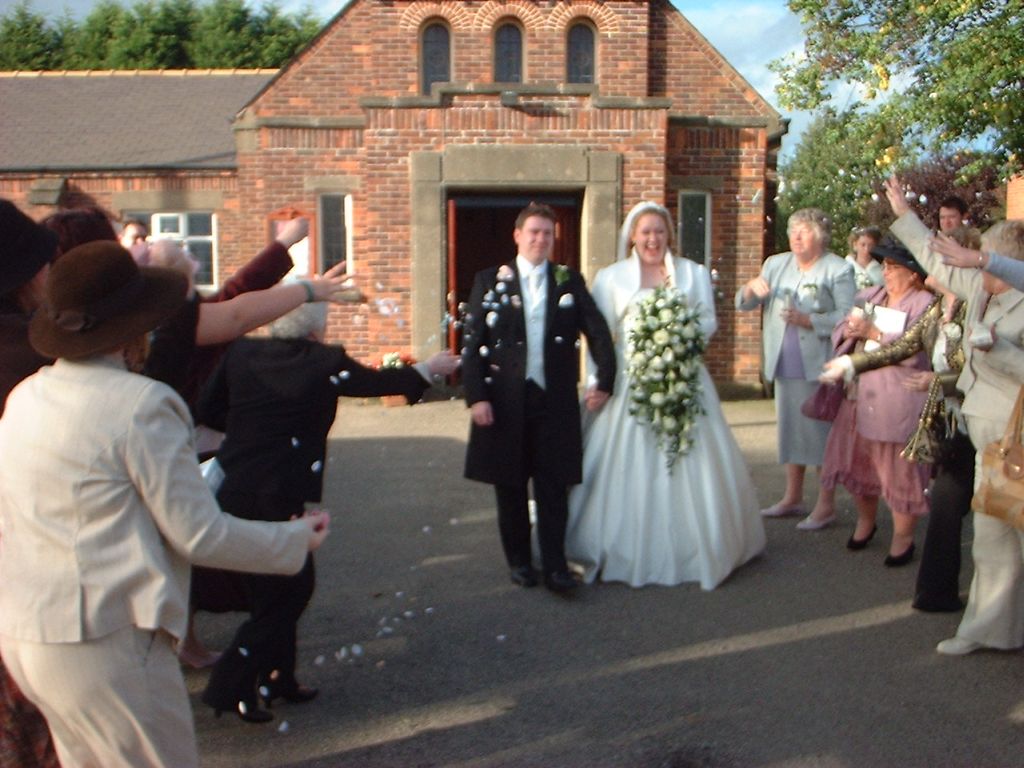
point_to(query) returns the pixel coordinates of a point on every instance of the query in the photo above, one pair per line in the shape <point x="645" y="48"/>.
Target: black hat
<point x="98" y="298"/>
<point x="25" y="247"/>
<point x="892" y="249"/>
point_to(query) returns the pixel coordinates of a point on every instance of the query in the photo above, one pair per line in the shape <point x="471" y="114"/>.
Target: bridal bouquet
<point x="666" y="344"/>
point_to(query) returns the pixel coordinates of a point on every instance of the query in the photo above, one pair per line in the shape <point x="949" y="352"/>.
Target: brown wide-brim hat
<point x="892" y="249"/>
<point x="98" y="299"/>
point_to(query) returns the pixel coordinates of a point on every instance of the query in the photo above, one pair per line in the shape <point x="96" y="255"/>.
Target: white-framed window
<point x="334" y="238"/>
<point x="195" y="230"/>
<point x="694" y="235"/>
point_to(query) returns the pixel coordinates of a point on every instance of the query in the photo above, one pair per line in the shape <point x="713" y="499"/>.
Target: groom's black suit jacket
<point x="494" y="370"/>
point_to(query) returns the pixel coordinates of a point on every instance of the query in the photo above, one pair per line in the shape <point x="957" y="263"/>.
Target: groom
<point x="520" y="370"/>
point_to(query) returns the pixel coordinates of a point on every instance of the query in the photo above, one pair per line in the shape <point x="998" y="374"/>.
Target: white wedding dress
<point x="631" y="520"/>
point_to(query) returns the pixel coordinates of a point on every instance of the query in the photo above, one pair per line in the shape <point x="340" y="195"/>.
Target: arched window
<point x="436" y="56"/>
<point x="581" y="54"/>
<point x="508" y="54"/>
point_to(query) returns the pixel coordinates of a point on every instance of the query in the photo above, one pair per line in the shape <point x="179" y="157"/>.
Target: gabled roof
<point x="122" y="120"/>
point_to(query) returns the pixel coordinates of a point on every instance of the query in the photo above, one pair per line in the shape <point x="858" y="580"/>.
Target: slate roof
<point x="121" y="120"/>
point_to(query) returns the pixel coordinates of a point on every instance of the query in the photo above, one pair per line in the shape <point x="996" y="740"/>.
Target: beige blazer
<point x="989" y="380"/>
<point x="102" y="508"/>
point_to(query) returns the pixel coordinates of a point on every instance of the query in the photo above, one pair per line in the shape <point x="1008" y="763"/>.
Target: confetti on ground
<point x="319" y="660"/>
<point x="501" y="638"/>
<point x="283" y="727"/>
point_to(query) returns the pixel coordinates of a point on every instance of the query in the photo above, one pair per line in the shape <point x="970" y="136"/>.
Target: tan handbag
<point x="1001" y="489"/>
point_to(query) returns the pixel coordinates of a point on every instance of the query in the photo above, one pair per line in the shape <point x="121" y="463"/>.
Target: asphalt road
<point x="426" y="655"/>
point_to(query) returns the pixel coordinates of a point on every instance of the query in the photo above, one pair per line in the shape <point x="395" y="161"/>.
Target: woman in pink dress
<point x="881" y="409"/>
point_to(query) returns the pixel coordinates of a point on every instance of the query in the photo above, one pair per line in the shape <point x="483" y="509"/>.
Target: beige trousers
<point x="995" y="608"/>
<point x="116" y="701"/>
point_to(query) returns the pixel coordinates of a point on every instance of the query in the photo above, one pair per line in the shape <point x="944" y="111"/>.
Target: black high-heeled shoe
<point x="895" y="561"/>
<point x="247" y="711"/>
<point x="293" y="694"/>
<point x="858" y="544"/>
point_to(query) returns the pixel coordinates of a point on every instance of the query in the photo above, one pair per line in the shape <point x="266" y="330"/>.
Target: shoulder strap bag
<point x="1001" y="489"/>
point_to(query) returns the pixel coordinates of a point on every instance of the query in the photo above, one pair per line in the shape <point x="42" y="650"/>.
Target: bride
<point x="633" y="520"/>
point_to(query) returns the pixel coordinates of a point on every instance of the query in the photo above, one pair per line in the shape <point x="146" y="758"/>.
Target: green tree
<point x="225" y="36"/>
<point x="172" y="33"/>
<point x="955" y="64"/>
<point x="155" y="34"/>
<point x="837" y="166"/>
<point x="28" y="41"/>
<point x="971" y="177"/>
<point x="88" y="44"/>
<point x="284" y="35"/>
<point x="840" y="163"/>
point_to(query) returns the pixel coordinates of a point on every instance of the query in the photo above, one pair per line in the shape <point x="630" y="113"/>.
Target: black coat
<point x="494" y="369"/>
<point x="276" y="400"/>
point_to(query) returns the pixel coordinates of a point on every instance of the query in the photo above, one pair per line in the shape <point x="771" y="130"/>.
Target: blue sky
<point x="749" y="33"/>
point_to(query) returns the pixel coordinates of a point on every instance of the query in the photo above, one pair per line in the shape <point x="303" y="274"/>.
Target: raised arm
<point x="223" y="321"/>
<point x="915" y="236"/>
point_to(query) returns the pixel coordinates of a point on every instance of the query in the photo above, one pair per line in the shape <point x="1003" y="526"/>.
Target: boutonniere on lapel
<point x="561" y="274"/>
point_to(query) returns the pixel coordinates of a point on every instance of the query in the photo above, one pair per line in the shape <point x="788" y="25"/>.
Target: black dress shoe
<point x="858" y="544"/>
<point x="560" y="581"/>
<point x="895" y="561"/>
<point x="934" y="604"/>
<point x="294" y="693"/>
<point x="524" y="576"/>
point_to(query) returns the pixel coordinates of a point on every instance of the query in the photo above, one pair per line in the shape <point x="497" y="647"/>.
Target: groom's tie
<point x="535" y="277"/>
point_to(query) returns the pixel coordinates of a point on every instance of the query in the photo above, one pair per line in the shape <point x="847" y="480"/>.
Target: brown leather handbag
<point x="1001" y="488"/>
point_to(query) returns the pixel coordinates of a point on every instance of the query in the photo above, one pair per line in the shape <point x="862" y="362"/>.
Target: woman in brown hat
<point x="103" y="508"/>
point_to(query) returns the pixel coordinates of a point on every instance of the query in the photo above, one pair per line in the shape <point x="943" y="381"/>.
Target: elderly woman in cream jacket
<point x="102" y="508"/>
<point x="804" y="292"/>
<point x="992" y="375"/>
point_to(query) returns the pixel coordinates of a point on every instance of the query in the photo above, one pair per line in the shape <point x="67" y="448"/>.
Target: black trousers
<point x="938" y="578"/>
<point x="550" y="493"/>
<point x="265" y="642"/>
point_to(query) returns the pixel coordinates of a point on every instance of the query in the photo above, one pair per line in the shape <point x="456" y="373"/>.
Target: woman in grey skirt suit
<point x="805" y="292"/>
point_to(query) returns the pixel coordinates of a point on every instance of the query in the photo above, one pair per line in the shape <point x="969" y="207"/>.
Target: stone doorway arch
<point x="596" y="177"/>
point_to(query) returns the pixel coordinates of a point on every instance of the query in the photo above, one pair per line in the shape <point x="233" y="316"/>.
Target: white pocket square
<point x="566" y="300"/>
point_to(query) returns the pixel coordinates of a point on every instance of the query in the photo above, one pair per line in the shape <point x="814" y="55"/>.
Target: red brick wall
<point x="99" y="189"/>
<point x="1015" y="198"/>
<point x="382" y="212"/>
<point x="372" y="50"/>
<point x="736" y="156"/>
<point x="643" y="50"/>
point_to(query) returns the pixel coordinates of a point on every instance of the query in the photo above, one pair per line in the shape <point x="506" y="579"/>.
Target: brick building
<point x="413" y="131"/>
